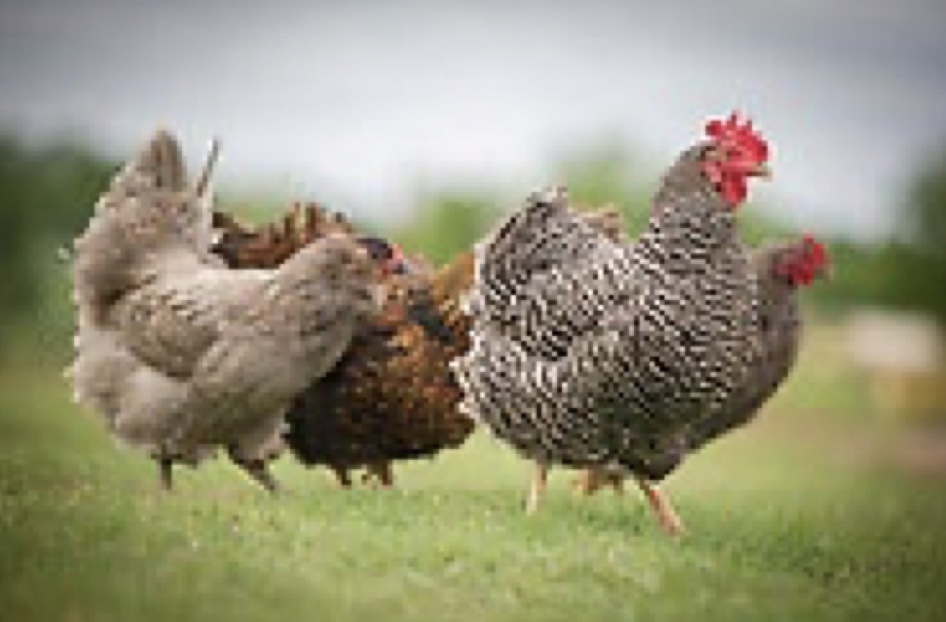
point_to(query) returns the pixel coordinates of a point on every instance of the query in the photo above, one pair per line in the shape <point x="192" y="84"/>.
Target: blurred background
<point x="428" y="121"/>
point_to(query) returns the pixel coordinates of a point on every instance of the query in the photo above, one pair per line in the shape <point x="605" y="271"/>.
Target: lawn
<point x="795" y="518"/>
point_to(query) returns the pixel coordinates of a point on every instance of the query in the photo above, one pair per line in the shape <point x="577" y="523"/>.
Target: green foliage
<point x="926" y="224"/>
<point x="862" y="274"/>
<point x="447" y="223"/>
<point x="45" y="196"/>
<point x="920" y="267"/>
<point x="599" y="175"/>
<point x="907" y="272"/>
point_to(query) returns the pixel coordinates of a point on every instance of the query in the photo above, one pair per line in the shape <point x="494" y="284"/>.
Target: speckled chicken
<point x="590" y="352"/>
<point x="781" y="269"/>
<point x="182" y="355"/>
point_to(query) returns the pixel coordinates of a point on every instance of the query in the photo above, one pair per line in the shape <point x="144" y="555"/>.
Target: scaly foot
<point x="660" y="503"/>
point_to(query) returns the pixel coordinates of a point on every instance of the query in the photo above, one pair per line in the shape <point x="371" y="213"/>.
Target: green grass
<point x="787" y="521"/>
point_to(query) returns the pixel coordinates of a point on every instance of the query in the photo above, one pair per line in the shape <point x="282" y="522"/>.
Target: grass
<point x="788" y="520"/>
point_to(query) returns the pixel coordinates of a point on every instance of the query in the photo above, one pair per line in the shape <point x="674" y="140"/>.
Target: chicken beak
<point x="762" y="171"/>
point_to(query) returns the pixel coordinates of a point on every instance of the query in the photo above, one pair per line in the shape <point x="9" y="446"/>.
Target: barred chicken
<point x="591" y="352"/>
<point x="182" y="355"/>
<point x="781" y="269"/>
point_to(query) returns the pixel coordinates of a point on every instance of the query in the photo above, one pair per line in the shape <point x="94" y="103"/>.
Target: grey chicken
<point x="182" y="355"/>
<point x="591" y="352"/>
<point x="781" y="269"/>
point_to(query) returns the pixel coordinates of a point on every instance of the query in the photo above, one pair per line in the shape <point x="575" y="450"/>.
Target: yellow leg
<point x="537" y="491"/>
<point x="662" y="506"/>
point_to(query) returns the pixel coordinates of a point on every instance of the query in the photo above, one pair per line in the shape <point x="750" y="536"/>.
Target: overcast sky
<point x="359" y="101"/>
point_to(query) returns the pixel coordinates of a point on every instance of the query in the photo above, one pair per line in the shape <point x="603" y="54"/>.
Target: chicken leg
<point x="166" y="472"/>
<point x="537" y="490"/>
<point x="342" y="476"/>
<point x="256" y="469"/>
<point x="661" y="505"/>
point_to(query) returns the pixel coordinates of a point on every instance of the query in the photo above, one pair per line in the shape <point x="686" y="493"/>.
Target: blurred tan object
<point x="903" y="355"/>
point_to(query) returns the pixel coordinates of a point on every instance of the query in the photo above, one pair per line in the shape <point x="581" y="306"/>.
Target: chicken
<point x="781" y="269"/>
<point x="182" y="355"/>
<point x="392" y="397"/>
<point x="590" y="352"/>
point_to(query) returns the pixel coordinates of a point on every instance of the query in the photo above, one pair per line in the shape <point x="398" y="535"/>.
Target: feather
<point x="182" y="355"/>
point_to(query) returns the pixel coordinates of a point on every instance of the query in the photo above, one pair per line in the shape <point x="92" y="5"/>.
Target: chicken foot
<point x="662" y="506"/>
<point x="256" y="469"/>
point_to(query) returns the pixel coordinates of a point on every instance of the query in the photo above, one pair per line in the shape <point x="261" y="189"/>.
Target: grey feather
<point x="590" y="351"/>
<point x="182" y="355"/>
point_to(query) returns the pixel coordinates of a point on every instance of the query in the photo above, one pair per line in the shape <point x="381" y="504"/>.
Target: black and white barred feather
<point x="587" y="351"/>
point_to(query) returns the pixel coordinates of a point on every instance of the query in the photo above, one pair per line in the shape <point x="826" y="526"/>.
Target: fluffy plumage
<point x="392" y="396"/>
<point x="591" y="352"/>
<point x="781" y="269"/>
<point x="182" y="355"/>
<point x="269" y="245"/>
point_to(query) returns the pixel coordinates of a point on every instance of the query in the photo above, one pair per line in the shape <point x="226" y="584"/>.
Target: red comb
<point x="817" y="255"/>
<point x="732" y="132"/>
<point x="813" y="260"/>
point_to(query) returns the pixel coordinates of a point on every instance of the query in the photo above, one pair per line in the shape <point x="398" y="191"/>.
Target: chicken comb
<point x="732" y="132"/>
<point x="815" y="252"/>
<point x="809" y="262"/>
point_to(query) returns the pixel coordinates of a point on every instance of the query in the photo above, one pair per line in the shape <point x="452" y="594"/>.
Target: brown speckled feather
<point x="392" y="396"/>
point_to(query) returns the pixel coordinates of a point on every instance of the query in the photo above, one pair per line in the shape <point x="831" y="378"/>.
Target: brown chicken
<point x="392" y="396"/>
<point x="270" y="245"/>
